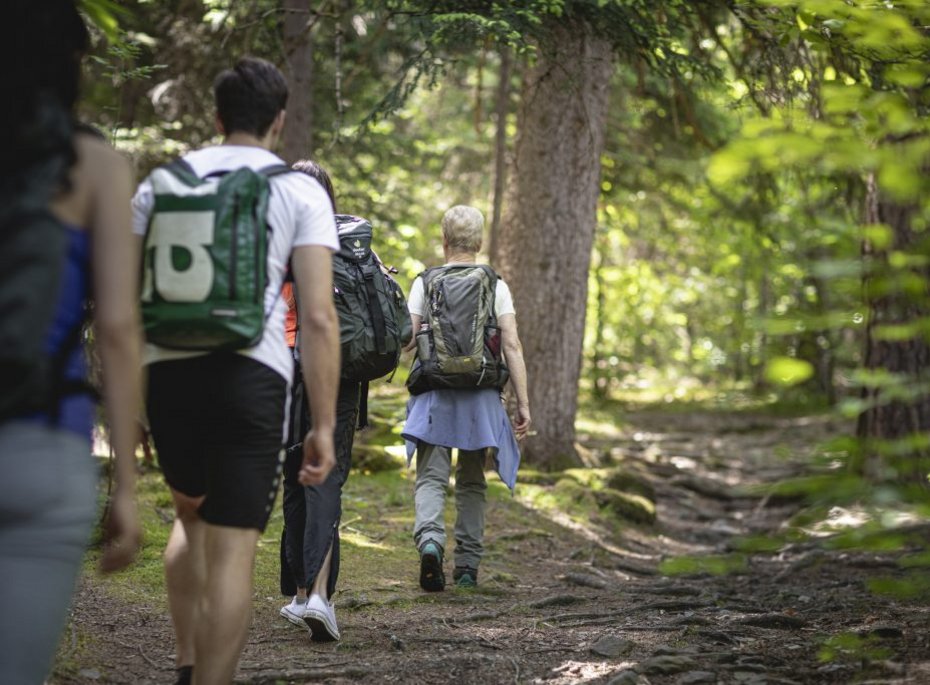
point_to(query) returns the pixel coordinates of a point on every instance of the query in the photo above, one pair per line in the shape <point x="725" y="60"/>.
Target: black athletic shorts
<point x="218" y="424"/>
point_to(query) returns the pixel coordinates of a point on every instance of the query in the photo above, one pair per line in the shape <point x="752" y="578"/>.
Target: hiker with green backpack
<point x="220" y="227"/>
<point x="467" y="347"/>
<point x="374" y="327"/>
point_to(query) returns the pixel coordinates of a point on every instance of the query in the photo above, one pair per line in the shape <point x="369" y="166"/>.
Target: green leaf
<point x="103" y="14"/>
<point x="787" y="371"/>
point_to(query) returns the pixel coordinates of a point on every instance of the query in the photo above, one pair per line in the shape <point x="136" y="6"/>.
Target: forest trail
<point x="566" y="601"/>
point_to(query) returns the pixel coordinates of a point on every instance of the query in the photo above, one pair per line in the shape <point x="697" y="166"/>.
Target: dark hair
<point x="311" y="168"/>
<point x="249" y="96"/>
<point x="41" y="46"/>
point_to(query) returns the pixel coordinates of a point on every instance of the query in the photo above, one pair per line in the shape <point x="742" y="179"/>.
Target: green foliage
<point x="788" y="371"/>
<point x="852" y="647"/>
<point x="104" y="14"/>
<point x="715" y="565"/>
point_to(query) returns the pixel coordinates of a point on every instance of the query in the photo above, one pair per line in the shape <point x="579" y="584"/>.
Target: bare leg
<point x="322" y="578"/>
<point x="226" y="604"/>
<point x="185" y="573"/>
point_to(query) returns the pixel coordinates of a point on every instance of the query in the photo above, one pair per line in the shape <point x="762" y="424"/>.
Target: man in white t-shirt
<point x="471" y="420"/>
<point x="218" y="418"/>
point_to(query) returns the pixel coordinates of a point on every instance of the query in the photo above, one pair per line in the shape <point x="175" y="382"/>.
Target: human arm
<point x="319" y="356"/>
<point x="118" y="337"/>
<point x="415" y="305"/>
<point x="513" y="355"/>
<point x="415" y="321"/>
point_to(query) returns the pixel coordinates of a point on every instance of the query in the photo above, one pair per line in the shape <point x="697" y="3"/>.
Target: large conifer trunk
<point x="546" y="238"/>
<point x="892" y="302"/>
<point x="297" y="138"/>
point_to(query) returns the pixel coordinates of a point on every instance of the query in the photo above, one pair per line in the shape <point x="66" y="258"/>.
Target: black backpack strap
<point x="275" y="170"/>
<point x="363" y="406"/>
<point x="374" y="308"/>
<point x="61" y="386"/>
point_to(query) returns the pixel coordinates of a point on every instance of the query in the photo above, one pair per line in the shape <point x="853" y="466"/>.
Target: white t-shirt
<point x="416" y="299"/>
<point x="299" y="213"/>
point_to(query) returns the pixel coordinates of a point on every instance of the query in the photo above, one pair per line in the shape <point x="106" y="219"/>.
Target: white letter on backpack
<point x="191" y="231"/>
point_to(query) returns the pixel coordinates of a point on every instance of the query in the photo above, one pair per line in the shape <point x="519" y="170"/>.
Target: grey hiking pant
<point x="47" y="509"/>
<point x="434" y="466"/>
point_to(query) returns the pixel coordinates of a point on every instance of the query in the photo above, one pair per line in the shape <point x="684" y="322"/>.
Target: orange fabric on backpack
<point x="290" y="319"/>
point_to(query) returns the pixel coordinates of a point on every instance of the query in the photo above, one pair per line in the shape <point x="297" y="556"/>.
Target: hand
<point x="521" y="426"/>
<point x="121" y="533"/>
<point x="319" y="457"/>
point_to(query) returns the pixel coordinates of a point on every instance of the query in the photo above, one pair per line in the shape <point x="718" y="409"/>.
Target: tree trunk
<point x="892" y="302"/>
<point x="545" y="248"/>
<point x="500" y="151"/>
<point x="600" y="367"/>
<point x="297" y="138"/>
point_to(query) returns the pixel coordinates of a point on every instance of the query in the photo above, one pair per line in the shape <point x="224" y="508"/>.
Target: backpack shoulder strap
<point x="428" y="275"/>
<point x="493" y="278"/>
<point x="274" y="170"/>
<point x="180" y="167"/>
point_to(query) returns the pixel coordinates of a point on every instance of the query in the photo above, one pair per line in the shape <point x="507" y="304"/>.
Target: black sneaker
<point x="432" y="579"/>
<point x="465" y="576"/>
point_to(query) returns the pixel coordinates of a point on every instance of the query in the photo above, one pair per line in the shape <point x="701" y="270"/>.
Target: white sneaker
<point x="321" y="619"/>
<point x="294" y="612"/>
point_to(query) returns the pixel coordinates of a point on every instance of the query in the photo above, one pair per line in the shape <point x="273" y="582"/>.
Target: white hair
<point x="461" y="227"/>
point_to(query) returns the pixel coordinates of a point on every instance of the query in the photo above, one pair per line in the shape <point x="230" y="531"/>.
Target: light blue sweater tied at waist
<point x="465" y="419"/>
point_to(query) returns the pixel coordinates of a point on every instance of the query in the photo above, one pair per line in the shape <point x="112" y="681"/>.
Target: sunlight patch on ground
<point x="352" y="537"/>
<point x="601" y="429"/>
<point x="585" y="671"/>
<point x="567" y="522"/>
<point x="841" y="518"/>
<point x="398" y="452"/>
<point x="684" y="463"/>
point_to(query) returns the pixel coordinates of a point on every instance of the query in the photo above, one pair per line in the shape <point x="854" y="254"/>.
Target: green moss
<point x="716" y="565"/>
<point x="628" y="481"/>
<point x="533" y="477"/>
<point x="624" y="505"/>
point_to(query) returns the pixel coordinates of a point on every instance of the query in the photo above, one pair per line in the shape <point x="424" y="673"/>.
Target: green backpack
<point x="205" y="258"/>
<point x="459" y="344"/>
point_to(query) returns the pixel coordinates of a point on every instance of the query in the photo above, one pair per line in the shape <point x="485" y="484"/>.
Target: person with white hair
<point x="467" y="349"/>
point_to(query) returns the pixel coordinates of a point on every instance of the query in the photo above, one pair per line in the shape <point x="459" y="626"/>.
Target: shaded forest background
<point x="721" y="201"/>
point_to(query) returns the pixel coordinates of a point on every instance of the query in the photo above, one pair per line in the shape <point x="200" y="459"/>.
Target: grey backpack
<point x="459" y="344"/>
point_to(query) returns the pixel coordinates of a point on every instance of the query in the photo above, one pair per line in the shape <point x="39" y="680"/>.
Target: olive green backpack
<point x="459" y="344"/>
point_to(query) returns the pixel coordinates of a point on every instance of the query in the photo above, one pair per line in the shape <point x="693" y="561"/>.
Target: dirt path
<point x="568" y="601"/>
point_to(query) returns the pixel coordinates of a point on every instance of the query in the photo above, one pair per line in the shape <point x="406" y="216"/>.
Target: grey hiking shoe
<point x="432" y="578"/>
<point x="465" y="576"/>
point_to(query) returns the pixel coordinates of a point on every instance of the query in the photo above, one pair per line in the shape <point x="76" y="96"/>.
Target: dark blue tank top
<point x="76" y="411"/>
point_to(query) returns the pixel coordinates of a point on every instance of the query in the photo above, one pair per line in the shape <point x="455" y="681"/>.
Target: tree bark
<point x="502" y="109"/>
<point x="909" y="359"/>
<point x="297" y="138"/>
<point x="545" y="247"/>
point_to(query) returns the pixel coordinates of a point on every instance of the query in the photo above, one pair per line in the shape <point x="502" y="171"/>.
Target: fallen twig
<point x="303" y="674"/>
<point x="152" y="662"/>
